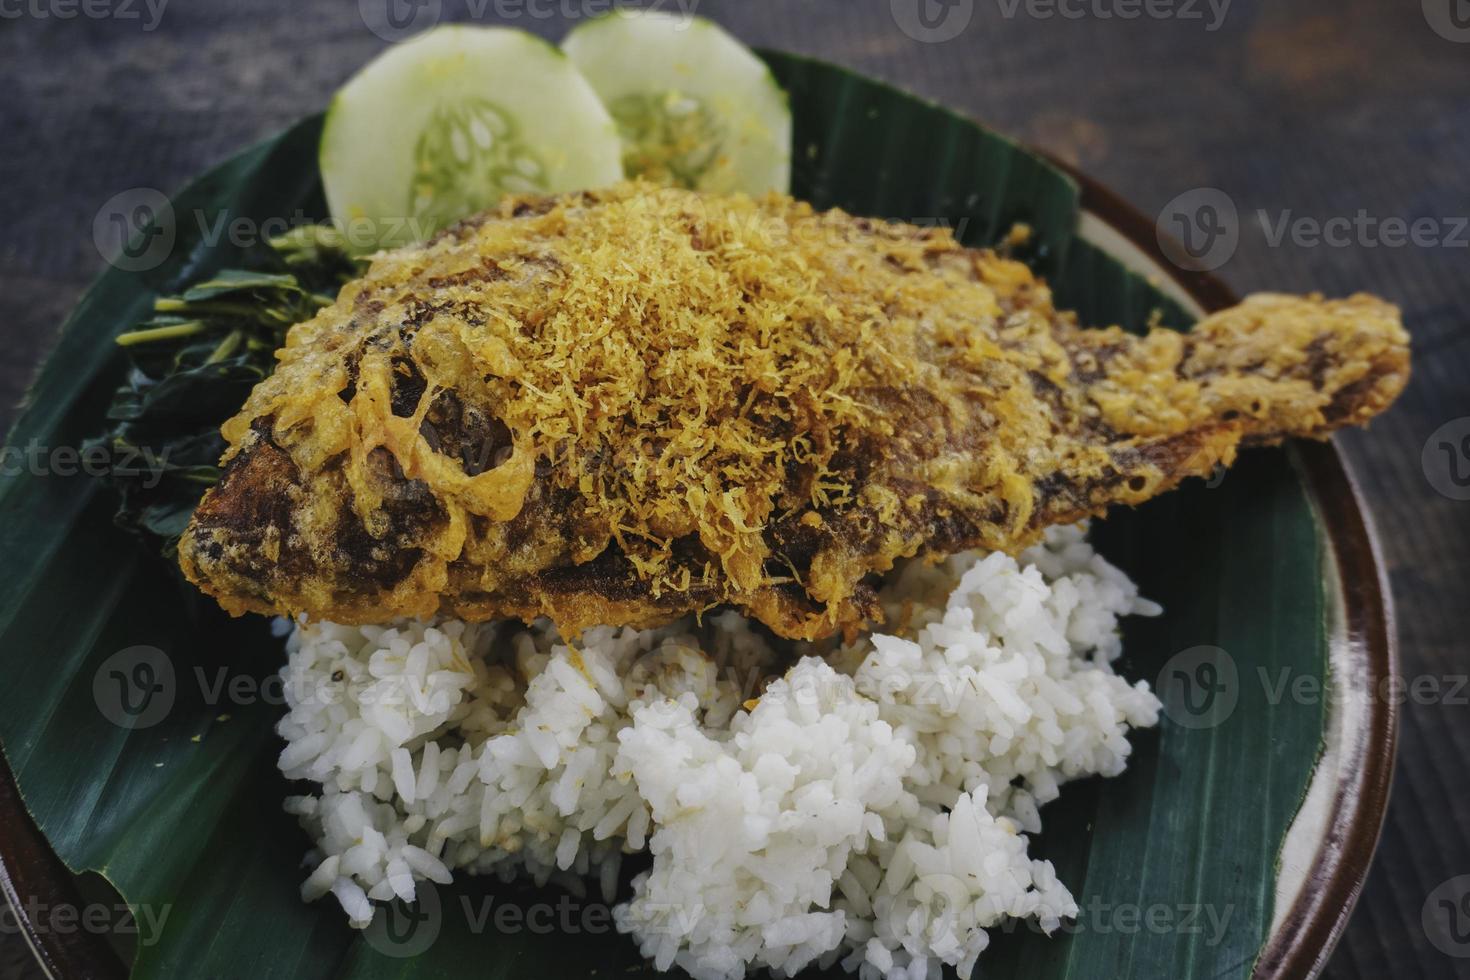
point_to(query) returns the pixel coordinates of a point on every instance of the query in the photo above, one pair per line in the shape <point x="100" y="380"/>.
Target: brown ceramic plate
<point x="1327" y="853"/>
<point x="1330" y="845"/>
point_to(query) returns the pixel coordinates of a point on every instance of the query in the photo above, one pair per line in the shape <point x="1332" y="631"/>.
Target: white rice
<point x="869" y="808"/>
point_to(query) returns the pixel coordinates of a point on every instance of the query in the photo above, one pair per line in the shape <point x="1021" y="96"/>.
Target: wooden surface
<point x="1357" y="110"/>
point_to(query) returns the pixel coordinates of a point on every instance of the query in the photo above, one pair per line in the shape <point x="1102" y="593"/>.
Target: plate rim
<point x="30" y="867"/>
<point x="1308" y="933"/>
<point x="1301" y="946"/>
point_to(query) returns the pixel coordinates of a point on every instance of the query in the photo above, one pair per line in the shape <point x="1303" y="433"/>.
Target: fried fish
<point x="622" y="406"/>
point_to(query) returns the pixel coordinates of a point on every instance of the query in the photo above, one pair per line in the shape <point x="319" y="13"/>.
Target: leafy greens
<point x="194" y="362"/>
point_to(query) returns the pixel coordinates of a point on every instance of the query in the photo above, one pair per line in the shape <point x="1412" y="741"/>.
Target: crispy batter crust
<point x="622" y="406"/>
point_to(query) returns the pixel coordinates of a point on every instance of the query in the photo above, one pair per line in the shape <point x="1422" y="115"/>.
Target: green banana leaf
<point x="1173" y="862"/>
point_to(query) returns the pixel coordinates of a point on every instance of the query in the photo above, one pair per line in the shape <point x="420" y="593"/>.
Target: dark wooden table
<point x="1324" y="123"/>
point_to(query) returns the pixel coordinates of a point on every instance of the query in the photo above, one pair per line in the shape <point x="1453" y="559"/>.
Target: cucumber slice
<point x="695" y="107"/>
<point x="446" y="124"/>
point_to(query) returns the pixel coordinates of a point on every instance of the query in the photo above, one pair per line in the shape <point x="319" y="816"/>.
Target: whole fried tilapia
<point x="622" y="406"/>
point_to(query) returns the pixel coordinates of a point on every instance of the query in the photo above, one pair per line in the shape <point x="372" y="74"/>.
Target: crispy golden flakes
<point x="622" y="406"/>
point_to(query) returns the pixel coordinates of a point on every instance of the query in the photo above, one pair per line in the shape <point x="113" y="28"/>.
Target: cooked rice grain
<point x="870" y="806"/>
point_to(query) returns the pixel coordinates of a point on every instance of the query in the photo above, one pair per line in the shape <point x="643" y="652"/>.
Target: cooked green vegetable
<point x="193" y="364"/>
